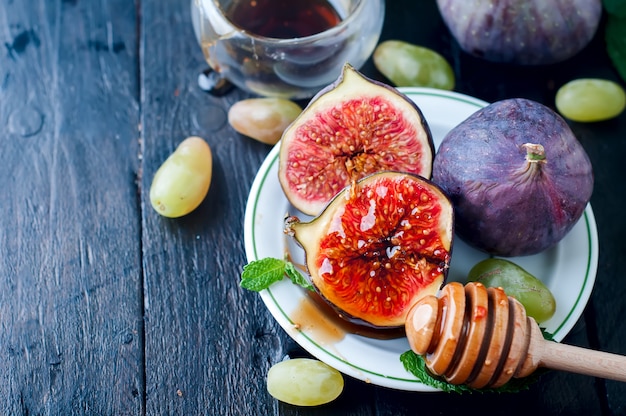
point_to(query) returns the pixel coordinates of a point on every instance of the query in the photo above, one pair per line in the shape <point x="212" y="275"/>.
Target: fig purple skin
<point x="506" y="204"/>
<point x="529" y="32"/>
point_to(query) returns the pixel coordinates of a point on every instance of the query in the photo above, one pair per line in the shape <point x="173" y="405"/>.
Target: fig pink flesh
<point x="352" y="129"/>
<point x="373" y="253"/>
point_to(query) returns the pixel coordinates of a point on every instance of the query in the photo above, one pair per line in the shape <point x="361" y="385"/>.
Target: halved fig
<point x="352" y="128"/>
<point x="378" y="247"/>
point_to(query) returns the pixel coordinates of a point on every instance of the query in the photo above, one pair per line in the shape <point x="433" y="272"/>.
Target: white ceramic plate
<point x="569" y="269"/>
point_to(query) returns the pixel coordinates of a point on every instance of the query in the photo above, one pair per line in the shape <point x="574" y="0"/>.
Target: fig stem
<point x="288" y="225"/>
<point x="534" y="152"/>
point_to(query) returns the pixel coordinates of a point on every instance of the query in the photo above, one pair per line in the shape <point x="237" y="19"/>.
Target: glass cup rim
<point x="294" y="41"/>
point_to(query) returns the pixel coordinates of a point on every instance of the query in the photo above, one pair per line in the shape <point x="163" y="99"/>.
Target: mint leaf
<point x="296" y="277"/>
<point x="260" y="274"/>
<point x="615" y="37"/>
<point x="615" y="7"/>
<point x="548" y="336"/>
<point x="416" y="365"/>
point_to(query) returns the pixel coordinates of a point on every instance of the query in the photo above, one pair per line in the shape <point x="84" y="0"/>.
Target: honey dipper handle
<point x="582" y="361"/>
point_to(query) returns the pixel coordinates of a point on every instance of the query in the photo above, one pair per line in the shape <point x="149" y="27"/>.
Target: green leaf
<point x="548" y="336"/>
<point x="296" y="277"/>
<point x="261" y="274"/>
<point x="615" y="36"/>
<point x="416" y="365"/>
<point x="615" y="7"/>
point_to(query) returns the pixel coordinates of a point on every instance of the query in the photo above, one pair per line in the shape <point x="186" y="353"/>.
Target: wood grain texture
<point x="209" y="344"/>
<point x="70" y="272"/>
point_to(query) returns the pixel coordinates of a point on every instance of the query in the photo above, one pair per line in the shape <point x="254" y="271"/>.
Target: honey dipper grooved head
<point x="470" y="335"/>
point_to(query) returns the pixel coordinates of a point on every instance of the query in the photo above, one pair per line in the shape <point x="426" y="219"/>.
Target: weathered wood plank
<point x="208" y="343"/>
<point x="70" y="277"/>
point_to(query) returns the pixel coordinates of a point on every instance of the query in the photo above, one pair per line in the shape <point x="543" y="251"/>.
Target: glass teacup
<point x="286" y="48"/>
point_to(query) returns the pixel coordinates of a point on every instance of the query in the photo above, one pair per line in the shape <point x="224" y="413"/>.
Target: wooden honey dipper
<point x="480" y="337"/>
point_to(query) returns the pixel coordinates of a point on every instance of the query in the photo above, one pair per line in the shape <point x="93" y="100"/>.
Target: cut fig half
<point x="378" y="247"/>
<point x="352" y="128"/>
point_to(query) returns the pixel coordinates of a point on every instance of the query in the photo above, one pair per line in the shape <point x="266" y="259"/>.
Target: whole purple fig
<point x="517" y="176"/>
<point x="530" y="32"/>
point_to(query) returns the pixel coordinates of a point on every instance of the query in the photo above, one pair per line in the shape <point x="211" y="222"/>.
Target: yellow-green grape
<point x="263" y="119"/>
<point x="304" y="382"/>
<point x="518" y="283"/>
<point x="590" y="99"/>
<point x="408" y="65"/>
<point x="183" y="180"/>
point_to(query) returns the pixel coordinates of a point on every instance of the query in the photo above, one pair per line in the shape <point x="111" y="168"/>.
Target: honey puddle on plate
<point x="317" y="319"/>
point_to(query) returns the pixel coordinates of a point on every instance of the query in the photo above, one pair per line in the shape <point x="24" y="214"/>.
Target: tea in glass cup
<point x="286" y="48"/>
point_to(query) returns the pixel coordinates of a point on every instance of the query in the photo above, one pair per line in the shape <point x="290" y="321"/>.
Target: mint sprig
<point x="260" y="274"/>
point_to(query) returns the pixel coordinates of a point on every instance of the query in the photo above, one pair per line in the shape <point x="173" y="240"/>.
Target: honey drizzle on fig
<point x="314" y="315"/>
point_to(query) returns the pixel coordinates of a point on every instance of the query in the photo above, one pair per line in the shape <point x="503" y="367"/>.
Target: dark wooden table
<point x="106" y="308"/>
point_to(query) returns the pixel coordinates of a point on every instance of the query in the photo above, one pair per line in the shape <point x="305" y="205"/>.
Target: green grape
<point x="590" y="99"/>
<point x="304" y="382"/>
<point x="263" y="119"/>
<point x="183" y="180"/>
<point x="408" y="65"/>
<point x="518" y="283"/>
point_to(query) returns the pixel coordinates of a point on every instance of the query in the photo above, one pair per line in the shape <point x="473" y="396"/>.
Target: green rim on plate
<point x="267" y="177"/>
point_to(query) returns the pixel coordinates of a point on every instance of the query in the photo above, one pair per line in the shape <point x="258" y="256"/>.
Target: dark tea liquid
<point x="283" y="19"/>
